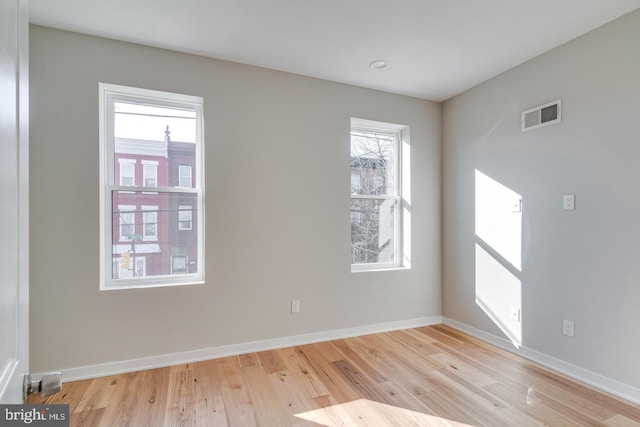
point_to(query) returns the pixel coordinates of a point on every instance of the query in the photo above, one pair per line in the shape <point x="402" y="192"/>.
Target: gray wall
<point x="581" y="265"/>
<point x="277" y="182"/>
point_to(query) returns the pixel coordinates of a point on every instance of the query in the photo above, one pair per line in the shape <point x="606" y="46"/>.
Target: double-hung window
<point x="158" y="138"/>
<point x="376" y="196"/>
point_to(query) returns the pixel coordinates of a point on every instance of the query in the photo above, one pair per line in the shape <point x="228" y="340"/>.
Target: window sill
<point x="371" y="269"/>
<point x="147" y="285"/>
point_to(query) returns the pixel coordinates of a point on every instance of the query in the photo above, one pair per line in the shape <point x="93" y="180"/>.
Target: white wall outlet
<point x="569" y="202"/>
<point x="568" y="328"/>
<point x="515" y="314"/>
<point x="295" y="306"/>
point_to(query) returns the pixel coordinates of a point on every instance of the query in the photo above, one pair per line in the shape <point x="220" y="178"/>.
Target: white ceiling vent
<point x="542" y="115"/>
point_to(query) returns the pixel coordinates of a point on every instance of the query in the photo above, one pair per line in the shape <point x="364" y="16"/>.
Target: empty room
<point x="336" y="213"/>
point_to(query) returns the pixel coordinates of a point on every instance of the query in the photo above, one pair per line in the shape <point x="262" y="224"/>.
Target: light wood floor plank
<point x="428" y="376"/>
<point x="208" y="395"/>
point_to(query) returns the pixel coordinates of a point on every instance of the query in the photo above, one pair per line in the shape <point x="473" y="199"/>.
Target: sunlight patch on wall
<point x="498" y="254"/>
<point x="365" y="412"/>
<point x="499" y="218"/>
<point x="497" y="291"/>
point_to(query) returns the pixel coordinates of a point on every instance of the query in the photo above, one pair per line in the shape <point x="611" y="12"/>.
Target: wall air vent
<point x="542" y="115"/>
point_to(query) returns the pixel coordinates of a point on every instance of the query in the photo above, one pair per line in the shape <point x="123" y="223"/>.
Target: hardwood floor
<point x="430" y="376"/>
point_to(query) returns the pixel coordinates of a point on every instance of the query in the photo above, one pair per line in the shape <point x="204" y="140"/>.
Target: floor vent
<point x="542" y="115"/>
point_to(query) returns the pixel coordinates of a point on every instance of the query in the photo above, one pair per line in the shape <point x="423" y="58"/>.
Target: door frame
<point x="11" y="381"/>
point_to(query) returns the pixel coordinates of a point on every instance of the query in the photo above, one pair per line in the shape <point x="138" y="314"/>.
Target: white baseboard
<point x="601" y="382"/>
<point x="140" y="364"/>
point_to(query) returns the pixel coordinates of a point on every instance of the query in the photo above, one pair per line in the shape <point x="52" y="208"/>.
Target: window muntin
<point x="376" y="199"/>
<point x="152" y="133"/>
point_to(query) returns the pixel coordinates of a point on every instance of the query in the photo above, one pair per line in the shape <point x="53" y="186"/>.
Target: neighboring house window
<point x="179" y="264"/>
<point x="184" y="174"/>
<point x="127" y="221"/>
<point x="184" y="217"/>
<point x="355" y="183"/>
<point x="378" y="182"/>
<point x="162" y="132"/>
<point x="150" y="222"/>
<point x="127" y="172"/>
<point x="122" y="267"/>
<point x="376" y="200"/>
<point x="150" y="173"/>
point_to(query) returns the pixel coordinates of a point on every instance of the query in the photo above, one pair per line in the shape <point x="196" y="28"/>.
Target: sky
<point x="138" y="121"/>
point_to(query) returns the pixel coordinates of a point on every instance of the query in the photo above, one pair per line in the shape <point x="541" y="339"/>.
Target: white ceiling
<point x="435" y="48"/>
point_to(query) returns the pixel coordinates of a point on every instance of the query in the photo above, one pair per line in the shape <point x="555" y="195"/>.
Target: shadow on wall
<point x="498" y="253"/>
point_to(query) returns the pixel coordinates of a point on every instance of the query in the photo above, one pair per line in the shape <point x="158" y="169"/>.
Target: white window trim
<point x="401" y="190"/>
<point x="107" y="93"/>
<point x="187" y="209"/>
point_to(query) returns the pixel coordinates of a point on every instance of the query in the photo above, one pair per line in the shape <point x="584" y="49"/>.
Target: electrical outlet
<point x="295" y="306"/>
<point x="568" y="328"/>
<point x="569" y="202"/>
<point x="515" y="314"/>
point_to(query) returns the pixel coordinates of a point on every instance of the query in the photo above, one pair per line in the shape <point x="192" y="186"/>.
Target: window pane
<point x="373" y="163"/>
<point x="147" y="234"/>
<point x="373" y="231"/>
<point x="162" y="137"/>
<point x="146" y="122"/>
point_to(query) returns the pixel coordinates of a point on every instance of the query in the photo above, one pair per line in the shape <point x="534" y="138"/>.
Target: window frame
<point x="108" y="95"/>
<point x="397" y="131"/>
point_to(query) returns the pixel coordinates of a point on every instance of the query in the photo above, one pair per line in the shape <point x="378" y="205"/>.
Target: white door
<point x="14" y="197"/>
